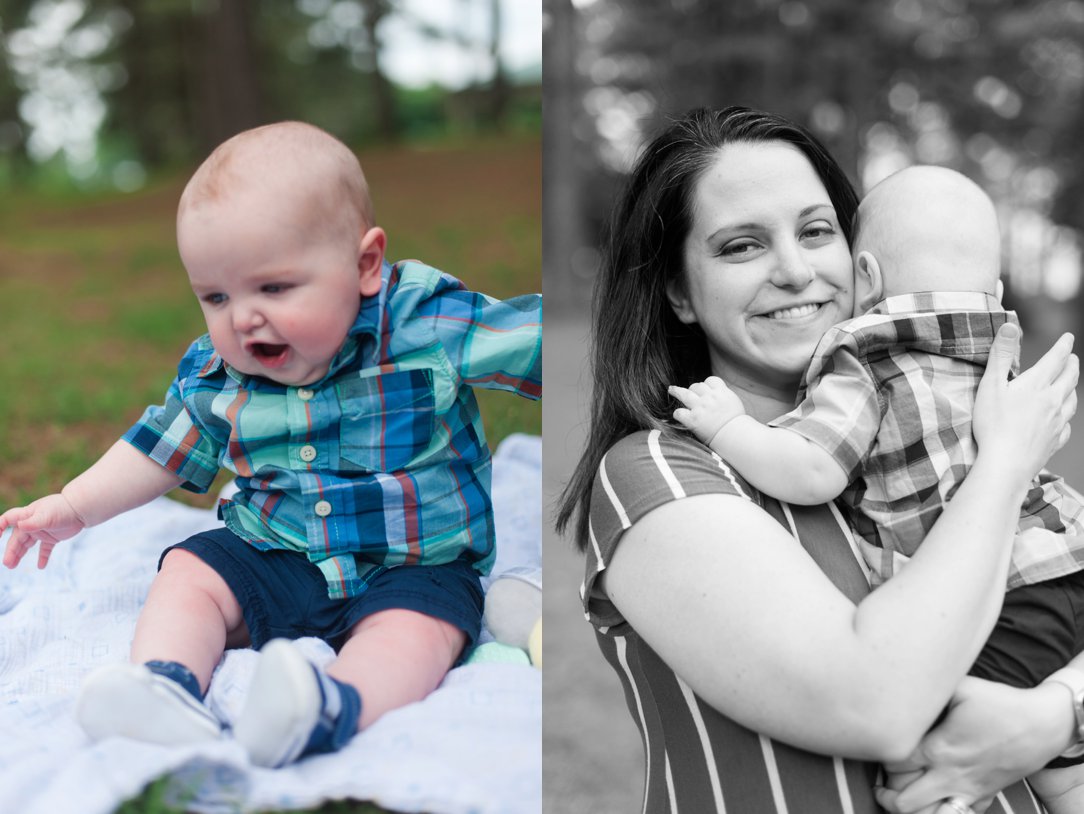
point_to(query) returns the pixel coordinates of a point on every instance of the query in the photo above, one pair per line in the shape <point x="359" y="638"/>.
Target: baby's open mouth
<point x="267" y="353"/>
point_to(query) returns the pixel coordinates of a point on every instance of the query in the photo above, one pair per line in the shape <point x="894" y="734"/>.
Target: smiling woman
<point x="766" y="272"/>
<point x="762" y="663"/>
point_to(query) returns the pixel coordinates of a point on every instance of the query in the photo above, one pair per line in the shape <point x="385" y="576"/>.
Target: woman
<point x="744" y="662"/>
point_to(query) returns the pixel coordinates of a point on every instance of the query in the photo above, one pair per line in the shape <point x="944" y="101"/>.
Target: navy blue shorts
<point x="282" y="594"/>
<point x="1040" y="629"/>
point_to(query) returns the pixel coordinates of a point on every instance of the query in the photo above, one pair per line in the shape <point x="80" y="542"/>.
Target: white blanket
<point x="473" y="746"/>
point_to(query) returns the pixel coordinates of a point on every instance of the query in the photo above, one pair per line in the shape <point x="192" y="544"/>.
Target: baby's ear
<point x="371" y="261"/>
<point x="868" y="282"/>
<point x="999" y="290"/>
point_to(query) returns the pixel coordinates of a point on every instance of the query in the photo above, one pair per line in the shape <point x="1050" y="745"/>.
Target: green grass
<point x="153" y="800"/>
<point x="98" y="309"/>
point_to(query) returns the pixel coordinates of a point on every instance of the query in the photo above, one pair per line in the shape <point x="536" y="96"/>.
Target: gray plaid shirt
<point x="889" y="395"/>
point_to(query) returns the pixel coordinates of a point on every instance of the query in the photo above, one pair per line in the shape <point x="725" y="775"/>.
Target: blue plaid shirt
<point x="384" y="461"/>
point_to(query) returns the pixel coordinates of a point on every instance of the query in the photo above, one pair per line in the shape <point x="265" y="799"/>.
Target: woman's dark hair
<point x="639" y="346"/>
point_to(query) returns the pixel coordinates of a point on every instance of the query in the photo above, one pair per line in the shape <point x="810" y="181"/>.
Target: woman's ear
<point x="371" y="261"/>
<point x="868" y="282"/>
<point x="679" y="301"/>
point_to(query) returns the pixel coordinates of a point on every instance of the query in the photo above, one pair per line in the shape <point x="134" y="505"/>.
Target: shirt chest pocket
<point x="387" y="419"/>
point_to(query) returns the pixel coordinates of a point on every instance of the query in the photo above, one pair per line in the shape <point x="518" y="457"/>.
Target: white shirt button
<point x="304" y="393"/>
<point x="322" y="508"/>
<point x="307" y="453"/>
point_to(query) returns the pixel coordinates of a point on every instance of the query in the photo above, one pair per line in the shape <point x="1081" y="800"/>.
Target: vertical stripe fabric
<point x="697" y="760"/>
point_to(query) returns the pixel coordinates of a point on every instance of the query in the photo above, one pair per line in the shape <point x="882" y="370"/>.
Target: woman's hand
<point x="992" y="736"/>
<point x="1026" y="420"/>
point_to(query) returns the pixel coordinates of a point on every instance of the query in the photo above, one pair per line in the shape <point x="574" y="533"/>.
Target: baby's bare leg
<point x="396" y="657"/>
<point x="190" y="617"/>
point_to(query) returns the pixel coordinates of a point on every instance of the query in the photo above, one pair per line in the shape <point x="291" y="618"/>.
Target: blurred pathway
<point x="592" y="758"/>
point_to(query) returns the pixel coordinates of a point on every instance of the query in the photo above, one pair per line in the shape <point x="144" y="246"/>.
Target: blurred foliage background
<point x="104" y="92"/>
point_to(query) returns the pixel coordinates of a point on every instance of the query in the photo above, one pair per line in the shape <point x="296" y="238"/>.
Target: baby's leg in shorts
<point x="1040" y="629"/>
<point x="395" y="641"/>
<point x="396" y="657"/>
<point x="190" y="617"/>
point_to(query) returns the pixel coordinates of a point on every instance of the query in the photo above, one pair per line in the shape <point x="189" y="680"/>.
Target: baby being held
<point x="884" y="419"/>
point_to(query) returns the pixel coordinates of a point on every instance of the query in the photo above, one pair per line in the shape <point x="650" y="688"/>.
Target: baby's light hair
<point x="310" y="162"/>
<point x="930" y="228"/>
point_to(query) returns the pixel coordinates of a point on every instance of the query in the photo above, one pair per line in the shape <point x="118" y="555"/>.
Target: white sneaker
<point x="131" y="701"/>
<point x="283" y="706"/>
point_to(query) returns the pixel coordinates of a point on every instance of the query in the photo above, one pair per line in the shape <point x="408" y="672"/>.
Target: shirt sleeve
<point x="638" y="474"/>
<point x="169" y="435"/>
<point x="841" y="411"/>
<point x="495" y="344"/>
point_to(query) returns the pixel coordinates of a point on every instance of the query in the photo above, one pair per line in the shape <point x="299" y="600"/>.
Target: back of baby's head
<point x="291" y="160"/>
<point x="930" y="228"/>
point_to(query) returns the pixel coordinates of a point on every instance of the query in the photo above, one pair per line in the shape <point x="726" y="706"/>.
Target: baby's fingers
<point x="682" y="394"/>
<point x="46" y="544"/>
<point x="18" y="544"/>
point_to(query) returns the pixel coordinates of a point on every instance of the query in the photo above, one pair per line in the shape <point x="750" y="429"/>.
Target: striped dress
<point x="696" y="759"/>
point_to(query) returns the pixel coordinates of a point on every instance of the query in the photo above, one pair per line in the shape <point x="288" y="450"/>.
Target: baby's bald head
<point x="287" y="161"/>
<point x="931" y="229"/>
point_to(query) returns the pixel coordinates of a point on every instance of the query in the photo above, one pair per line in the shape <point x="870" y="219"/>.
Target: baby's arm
<point x="777" y="461"/>
<point x="122" y="479"/>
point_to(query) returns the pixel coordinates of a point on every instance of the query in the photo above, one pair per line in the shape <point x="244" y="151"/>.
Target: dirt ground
<point x="592" y="758"/>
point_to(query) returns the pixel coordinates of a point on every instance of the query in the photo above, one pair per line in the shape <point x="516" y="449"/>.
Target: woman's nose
<point x="792" y="268"/>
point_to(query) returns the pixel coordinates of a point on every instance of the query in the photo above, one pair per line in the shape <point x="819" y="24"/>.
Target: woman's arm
<point x="755" y="629"/>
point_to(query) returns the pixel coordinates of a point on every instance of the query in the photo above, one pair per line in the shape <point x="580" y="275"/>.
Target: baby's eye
<point x="214" y="299"/>
<point x="273" y="288"/>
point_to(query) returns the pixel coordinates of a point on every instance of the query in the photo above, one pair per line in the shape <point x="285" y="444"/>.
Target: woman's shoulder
<point x="651" y="467"/>
<point x="640" y="473"/>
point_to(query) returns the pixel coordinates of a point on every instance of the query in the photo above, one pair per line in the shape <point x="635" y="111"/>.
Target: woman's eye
<point x="738" y="249"/>
<point x="818" y="230"/>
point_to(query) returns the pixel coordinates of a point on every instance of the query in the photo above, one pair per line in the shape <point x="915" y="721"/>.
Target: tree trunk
<point x="230" y="96"/>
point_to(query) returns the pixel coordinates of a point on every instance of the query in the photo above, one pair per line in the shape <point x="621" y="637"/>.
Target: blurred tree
<point x="563" y="212"/>
<point x="172" y="78"/>
<point x="375" y="12"/>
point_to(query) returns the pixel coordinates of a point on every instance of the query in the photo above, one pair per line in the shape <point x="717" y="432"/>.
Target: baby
<point x="338" y="389"/>
<point x="884" y="419"/>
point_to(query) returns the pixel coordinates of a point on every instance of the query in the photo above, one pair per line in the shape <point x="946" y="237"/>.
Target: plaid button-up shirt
<point x="381" y="463"/>
<point x="889" y="395"/>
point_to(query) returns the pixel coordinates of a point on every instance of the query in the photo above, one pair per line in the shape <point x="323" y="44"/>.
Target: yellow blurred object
<point x="534" y="644"/>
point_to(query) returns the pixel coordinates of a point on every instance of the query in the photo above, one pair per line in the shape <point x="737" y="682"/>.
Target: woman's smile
<point x="795" y="312"/>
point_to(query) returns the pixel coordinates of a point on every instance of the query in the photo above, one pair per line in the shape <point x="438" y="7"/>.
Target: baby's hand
<point x="46" y="521"/>
<point x="709" y="405"/>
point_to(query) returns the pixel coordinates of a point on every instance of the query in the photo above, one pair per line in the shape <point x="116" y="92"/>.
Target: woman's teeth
<point x="794" y="313"/>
